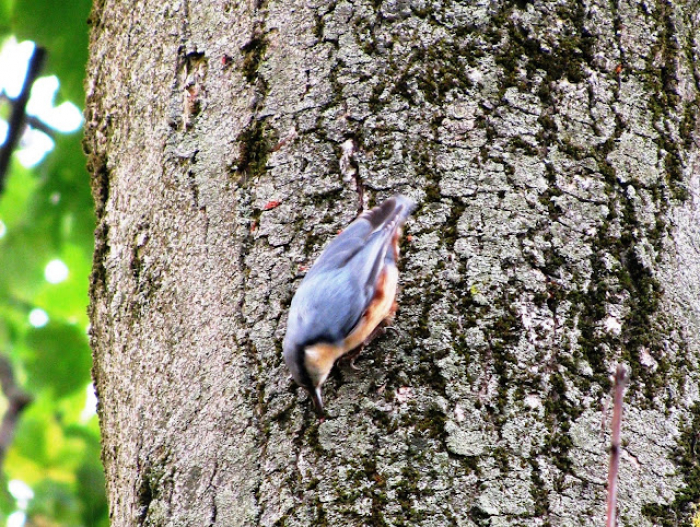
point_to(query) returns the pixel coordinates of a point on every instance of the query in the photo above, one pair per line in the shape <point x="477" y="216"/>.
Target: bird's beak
<point x="317" y="398"/>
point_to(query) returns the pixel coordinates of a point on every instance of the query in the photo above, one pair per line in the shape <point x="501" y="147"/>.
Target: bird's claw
<point x="391" y="328"/>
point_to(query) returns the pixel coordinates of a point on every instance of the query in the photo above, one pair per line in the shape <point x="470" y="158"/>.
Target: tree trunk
<point x="552" y="148"/>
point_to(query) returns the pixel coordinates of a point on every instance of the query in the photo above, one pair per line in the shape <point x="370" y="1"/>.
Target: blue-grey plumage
<point x="346" y="295"/>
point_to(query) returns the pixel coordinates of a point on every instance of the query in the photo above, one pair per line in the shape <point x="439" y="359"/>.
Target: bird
<point x="346" y="297"/>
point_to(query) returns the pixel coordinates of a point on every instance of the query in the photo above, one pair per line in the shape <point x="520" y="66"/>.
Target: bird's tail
<point x="390" y="215"/>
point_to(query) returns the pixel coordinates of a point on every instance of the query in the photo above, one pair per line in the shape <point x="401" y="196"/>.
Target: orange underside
<point x="383" y="306"/>
<point x="321" y="357"/>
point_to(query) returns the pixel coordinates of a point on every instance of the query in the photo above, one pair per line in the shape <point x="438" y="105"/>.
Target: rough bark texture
<point x="553" y="149"/>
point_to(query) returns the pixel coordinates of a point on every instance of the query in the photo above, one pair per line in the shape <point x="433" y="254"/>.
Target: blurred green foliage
<point x="47" y="214"/>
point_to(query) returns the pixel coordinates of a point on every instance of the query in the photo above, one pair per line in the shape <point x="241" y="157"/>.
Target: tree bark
<point x="553" y="148"/>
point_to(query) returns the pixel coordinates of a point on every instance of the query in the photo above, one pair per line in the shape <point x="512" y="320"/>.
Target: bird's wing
<point x="342" y="282"/>
<point x="367" y="237"/>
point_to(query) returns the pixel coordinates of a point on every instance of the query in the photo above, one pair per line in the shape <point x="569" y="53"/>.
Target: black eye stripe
<point x="304" y="377"/>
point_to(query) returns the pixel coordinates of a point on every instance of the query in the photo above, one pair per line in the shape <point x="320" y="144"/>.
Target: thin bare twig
<point x="17" y="400"/>
<point x="38" y="124"/>
<point x="17" y="118"/>
<point x="620" y="383"/>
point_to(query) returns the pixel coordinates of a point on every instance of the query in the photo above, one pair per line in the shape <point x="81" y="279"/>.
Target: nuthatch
<point x="346" y="296"/>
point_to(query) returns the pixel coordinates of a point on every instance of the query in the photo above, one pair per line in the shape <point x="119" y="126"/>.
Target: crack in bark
<point x="350" y="169"/>
<point x="254" y="150"/>
<point x="211" y="490"/>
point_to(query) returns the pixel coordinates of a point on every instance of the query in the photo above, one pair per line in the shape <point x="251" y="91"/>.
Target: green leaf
<point x="68" y="300"/>
<point x="22" y="260"/>
<point x="48" y="217"/>
<point x="6" y="9"/>
<point x="91" y="485"/>
<point x="54" y="501"/>
<point x="69" y="181"/>
<point x="31" y="442"/>
<point x="20" y="186"/>
<point x="59" y="358"/>
<point x="7" y="502"/>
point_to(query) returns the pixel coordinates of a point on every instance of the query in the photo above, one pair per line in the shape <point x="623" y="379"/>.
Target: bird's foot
<point x="352" y="357"/>
<point x="391" y="328"/>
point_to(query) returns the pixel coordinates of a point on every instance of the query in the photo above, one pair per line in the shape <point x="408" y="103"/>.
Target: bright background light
<point x="16" y="519"/>
<point x="38" y="318"/>
<point x="14" y="59"/>
<point x="55" y="272"/>
<point x="90" y="404"/>
<point x="64" y="118"/>
<point x="4" y="128"/>
<point x="20" y="490"/>
<point x="34" y="144"/>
